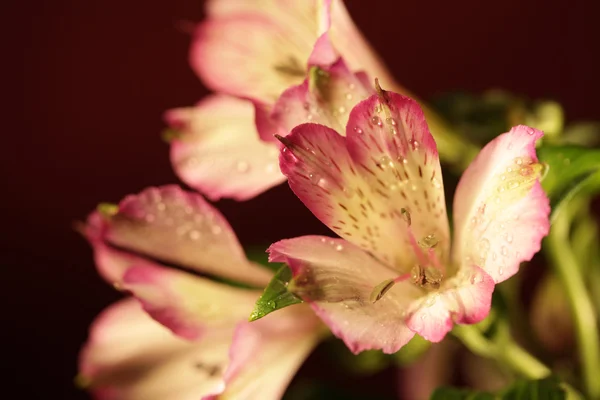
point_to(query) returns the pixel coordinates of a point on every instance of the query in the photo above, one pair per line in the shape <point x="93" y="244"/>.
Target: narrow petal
<point x="338" y="278"/>
<point x="500" y="210"/>
<point x="129" y="356"/>
<point x="465" y="298"/>
<point x="266" y="354"/>
<point x="381" y="187"/>
<point x="258" y="66"/>
<point x="179" y="227"/>
<point x="325" y="97"/>
<point x="186" y="304"/>
<point x="218" y="138"/>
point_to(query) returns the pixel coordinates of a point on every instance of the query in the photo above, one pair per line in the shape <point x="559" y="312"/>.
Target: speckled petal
<point x="179" y="227"/>
<point x="392" y="148"/>
<point x="129" y="356"/>
<point x="186" y="304"/>
<point x="218" y="138"/>
<point x="500" y="210"/>
<point x="338" y="279"/>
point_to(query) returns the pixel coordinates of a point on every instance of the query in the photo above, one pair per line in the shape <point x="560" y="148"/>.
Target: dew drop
<point x="271" y="304"/>
<point x="502" y="177"/>
<point x="509" y="169"/>
<point x="519" y="161"/>
<point x="351" y="86"/>
<point x="149" y="218"/>
<point x="429" y="241"/>
<point x="323" y="240"/>
<point x="391" y="121"/>
<point x="339" y="247"/>
<point x="436" y="183"/>
<point x="358" y="130"/>
<point x="194" y="234"/>
<point x="314" y="178"/>
<point x="348" y="96"/>
<point x="500" y="271"/>
<point x="385" y="161"/>
<point x="375" y="120"/>
<point x="216" y="229"/>
<point x="504" y="251"/>
<point x="242" y="166"/>
<point x="161" y="206"/>
<point x="513" y="184"/>
<point x="509" y="238"/>
<point x="342" y="109"/>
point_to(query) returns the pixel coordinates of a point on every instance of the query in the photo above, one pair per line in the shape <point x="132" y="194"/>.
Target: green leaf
<point x="276" y="295"/>
<point x="548" y="389"/>
<point x="570" y="169"/>
<point x="412" y="351"/>
<point x="449" y="393"/>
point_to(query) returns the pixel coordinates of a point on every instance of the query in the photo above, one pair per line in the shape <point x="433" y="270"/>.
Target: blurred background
<point x="88" y="83"/>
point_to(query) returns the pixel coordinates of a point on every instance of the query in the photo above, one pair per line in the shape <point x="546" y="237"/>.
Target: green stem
<point x="586" y="324"/>
<point x="507" y="353"/>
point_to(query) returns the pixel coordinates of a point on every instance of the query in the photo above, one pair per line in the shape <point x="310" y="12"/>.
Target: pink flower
<point x="394" y="271"/>
<point x="215" y="351"/>
<point x="231" y="133"/>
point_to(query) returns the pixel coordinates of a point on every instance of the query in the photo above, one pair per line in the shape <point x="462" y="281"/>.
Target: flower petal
<point x="129" y="356"/>
<point x="338" y="278"/>
<point x="378" y="189"/>
<point x="258" y="66"/>
<point x="179" y="227"/>
<point x="390" y="142"/>
<point x="186" y="303"/>
<point x="465" y="298"/>
<point x="500" y="210"/>
<point x="218" y="138"/>
<point x="325" y="97"/>
<point x="266" y="354"/>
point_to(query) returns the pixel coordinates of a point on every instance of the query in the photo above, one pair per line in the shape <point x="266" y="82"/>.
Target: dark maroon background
<point x="90" y="80"/>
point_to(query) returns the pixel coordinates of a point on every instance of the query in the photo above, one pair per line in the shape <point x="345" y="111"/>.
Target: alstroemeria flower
<point x="267" y="71"/>
<point x="215" y="352"/>
<point x="394" y="271"/>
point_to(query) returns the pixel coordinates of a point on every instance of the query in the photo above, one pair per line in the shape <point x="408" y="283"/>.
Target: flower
<point x="231" y="133"/>
<point x="394" y="272"/>
<point x="215" y="352"/>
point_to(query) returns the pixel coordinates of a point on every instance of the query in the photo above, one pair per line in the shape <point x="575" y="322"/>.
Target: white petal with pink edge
<point x="218" y="138"/>
<point x="266" y="354"/>
<point x="129" y="356"/>
<point x="338" y="279"/>
<point x="179" y="227"/>
<point x="186" y="304"/>
<point x="500" y="210"/>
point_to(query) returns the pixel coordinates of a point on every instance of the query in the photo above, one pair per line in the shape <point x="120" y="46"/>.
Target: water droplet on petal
<point x="504" y="251"/>
<point x="500" y="271"/>
<point x="348" y="96"/>
<point x="342" y="109"/>
<point x="149" y="218"/>
<point x="314" y="178"/>
<point x="216" y="229"/>
<point x="358" y="130"/>
<point x="243" y="166"/>
<point x="509" y="238"/>
<point x="429" y="241"/>
<point x="339" y="247"/>
<point x="194" y="234"/>
<point x="375" y="120"/>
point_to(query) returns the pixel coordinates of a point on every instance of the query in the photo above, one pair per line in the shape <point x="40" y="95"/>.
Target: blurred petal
<point x="326" y="98"/>
<point x="266" y="354"/>
<point x="500" y="210"/>
<point x="218" y="139"/>
<point x="338" y="278"/>
<point x="185" y="303"/>
<point x="258" y="65"/>
<point x="179" y="227"/>
<point x="465" y="298"/>
<point x="129" y="356"/>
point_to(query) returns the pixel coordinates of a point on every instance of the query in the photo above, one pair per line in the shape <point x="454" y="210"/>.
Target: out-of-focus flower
<point x="215" y="351"/>
<point x="256" y="75"/>
<point x="394" y="273"/>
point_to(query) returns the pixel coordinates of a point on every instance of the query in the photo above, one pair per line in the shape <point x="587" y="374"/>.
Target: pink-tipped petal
<point x="338" y="280"/>
<point x="326" y="98"/>
<point x="129" y="356"/>
<point x="186" y="304"/>
<point x="391" y="145"/>
<point x="500" y="210"/>
<point x="265" y="354"/>
<point x="218" y="139"/>
<point x="465" y="298"/>
<point x="379" y="188"/>
<point x="179" y="227"/>
<point x="259" y="65"/>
